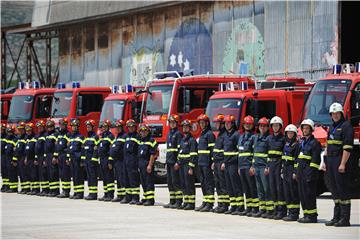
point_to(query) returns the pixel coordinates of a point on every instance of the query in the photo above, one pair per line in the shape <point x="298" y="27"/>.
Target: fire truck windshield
<point x="61" y="104"/>
<point x="21" y="108"/>
<point x="323" y="94"/>
<point x="158" y="100"/>
<point x="113" y="110"/>
<point x="224" y="106"/>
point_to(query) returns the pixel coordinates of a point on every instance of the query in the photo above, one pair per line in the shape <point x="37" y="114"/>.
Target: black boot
<point x="103" y="197"/>
<point x="91" y="197"/>
<point x="231" y="210"/>
<point x="200" y="207"/>
<point x="149" y="202"/>
<point x="270" y="214"/>
<point x="345" y="216"/>
<point x="208" y="207"/>
<point x="172" y="202"/>
<point x="125" y="200"/>
<point x="336" y="216"/>
<point x="63" y="195"/>
<point x="190" y="206"/>
<point x="308" y="219"/>
<point x="237" y="211"/>
<point x="177" y="204"/>
<point x="259" y="213"/>
<point x="78" y="196"/>
<point x="290" y="218"/>
<point x="117" y="199"/>
<point x="245" y="212"/>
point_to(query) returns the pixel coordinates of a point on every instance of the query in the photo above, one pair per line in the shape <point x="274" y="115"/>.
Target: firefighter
<point x="276" y="142"/>
<point x="206" y="176"/>
<point x="17" y="164"/>
<point x="104" y="145"/>
<point x="60" y="157"/>
<point x="260" y="170"/>
<point x="74" y="152"/>
<point x="172" y="148"/>
<point x="51" y="162"/>
<point x="40" y="171"/>
<point x="291" y="193"/>
<point x="90" y="157"/>
<point x="29" y="159"/>
<point x="187" y="159"/>
<point x="117" y="159"/>
<point x="339" y="147"/>
<point x="230" y="166"/>
<point x="9" y="153"/>
<point x="245" y="147"/>
<point x="4" y="170"/>
<point x="307" y="172"/>
<point x="131" y="162"/>
<point x="147" y="153"/>
<point x="218" y="158"/>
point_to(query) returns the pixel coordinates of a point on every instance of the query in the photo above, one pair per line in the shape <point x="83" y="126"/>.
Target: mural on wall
<point x="191" y="48"/>
<point x="244" y="50"/>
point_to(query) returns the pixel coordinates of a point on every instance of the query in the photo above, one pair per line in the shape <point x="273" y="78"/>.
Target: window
<point x="21" y="108"/>
<point x="136" y="111"/>
<point x="113" y="110"/>
<point x="5" y="107"/>
<point x="198" y="98"/>
<point x="259" y="109"/>
<point x="90" y="103"/>
<point x="43" y="106"/>
<point x="355" y="106"/>
<point x="61" y="104"/>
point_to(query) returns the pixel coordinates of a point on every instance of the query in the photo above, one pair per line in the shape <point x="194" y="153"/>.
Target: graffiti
<point x="244" y="50"/>
<point x="191" y="48"/>
<point x="331" y="58"/>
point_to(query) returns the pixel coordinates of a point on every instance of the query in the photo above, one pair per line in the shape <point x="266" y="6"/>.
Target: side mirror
<point x="79" y="105"/>
<point x="186" y="101"/>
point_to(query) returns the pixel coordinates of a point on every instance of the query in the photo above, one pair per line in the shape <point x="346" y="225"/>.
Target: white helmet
<point x="308" y="122"/>
<point x="276" y="119"/>
<point x="291" y="128"/>
<point x="336" y="107"/>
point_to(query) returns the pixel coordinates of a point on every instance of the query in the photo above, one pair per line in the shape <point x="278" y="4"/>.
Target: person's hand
<point x="222" y="167"/>
<point x="213" y="166"/>
<point x="54" y="161"/>
<point x="110" y="166"/>
<point x="36" y="163"/>
<point x="149" y="168"/>
<point x="323" y="167"/>
<point x="176" y="166"/>
<point x="191" y="171"/>
<point x="25" y="161"/>
<point x="294" y="176"/>
<point x="341" y="168"/>
<point x="67" y="162"/>
<point x="252" y="171"/>
<point x="14" y="163"/>
<point x="266" y="171"/>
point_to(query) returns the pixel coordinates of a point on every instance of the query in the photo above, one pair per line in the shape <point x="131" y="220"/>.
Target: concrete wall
<point x="272" y="38"/>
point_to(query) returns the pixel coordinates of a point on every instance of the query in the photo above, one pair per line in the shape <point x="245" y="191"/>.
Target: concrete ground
<point x="24" y="216"/>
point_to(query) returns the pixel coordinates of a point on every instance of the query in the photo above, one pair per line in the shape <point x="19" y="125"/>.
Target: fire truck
<point x="342" y="86"/>
<point x="123" y="103"/>
<point x="175" y="93"/>
<point x="5" y="102"/>
<point x="30" y="103"/>
<point x="83" y="103"/>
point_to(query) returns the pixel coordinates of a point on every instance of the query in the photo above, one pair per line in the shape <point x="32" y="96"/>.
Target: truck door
<point x="89" y="106"/>
<point x="43" y="106"/>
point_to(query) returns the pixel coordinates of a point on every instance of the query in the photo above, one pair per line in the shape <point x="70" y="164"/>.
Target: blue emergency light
<point x="336" y="69"/>
<point x="61" y="85"/>
<point x="357" y="67"/>
<point x="128" y="88"/>
<point x="35" y="84"/>
<point x="21" y="85"/>
<point x="244" y="86"/>
<point x="114" y="89"/>
<point x="76" y="85"/>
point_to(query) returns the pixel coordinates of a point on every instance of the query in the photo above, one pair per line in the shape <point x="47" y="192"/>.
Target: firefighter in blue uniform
<point x="245" y="146"/>
<point x="4" y="170"/>
<point x="17" y="165"/>
<point x="147" y="153"/>
<point x="172" y="149"/>
<point x="218" y="158"/>
<point x="206" y="175"/>
<point x="40" y="171"/>
<point x="291" y="192"/>
<point x="51" y="162"/>
<point x="74" y="156"/>
<point x="230" y="166"/>
<point x="186" y="163"/>
<point x="276" y="142"/>
<point x="63" y="139"/>
<point x="106" y="166"/>
<point x="131" y="161"/>
<point x="339" y="147"/>
<point x="260" y="170"/>
<point x="8" y="154"/>
<point x="29" y="159"/>
<point x="307" y="165"/>
<point x="117" y="160"/>
<point x="90" y="156"/>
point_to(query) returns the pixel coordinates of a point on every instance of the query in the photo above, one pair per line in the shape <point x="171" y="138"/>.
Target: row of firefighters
<point x="255" y="174"/>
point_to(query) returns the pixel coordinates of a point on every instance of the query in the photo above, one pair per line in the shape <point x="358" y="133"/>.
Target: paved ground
<point x="24" y="216"/>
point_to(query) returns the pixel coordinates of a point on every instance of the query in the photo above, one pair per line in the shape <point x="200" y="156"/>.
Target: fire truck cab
<point x="123" y="103"/>
<point x="342" y="86"/>
<point x="30" y="103"/>
<point x="5" y="102"/>
<point x="83" y="103"/>
<point x="173" y="93"/>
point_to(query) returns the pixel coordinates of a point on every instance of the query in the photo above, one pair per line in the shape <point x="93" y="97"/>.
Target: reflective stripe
<point x="51" y="137"/>
<point x="311" y="211"/>
<point x="171" y="150"/>
<point x="41" y="138"/>
<point x="135" y="140"/>
<point x="302" y="156"/>
<point x="110" y="158"/>
<point x="334" y="142"/>
<point x="14" y="158"/>
<point x="274" y="152"/>
<point x="314" y="165"/>
<point x="191" y="164"/>
<point x="204" y="151"/>
<point x="345" y="202"/>
<point x="193" y="154"/>
<point x="184" y="155"/>
<point x="288" y="158"/>
<point x="245" y="154"/>
<point x="82" y="157"/>
<point x="94" y="159"/>
<point x="230" y="153"/>
<point x="296" y="165"/>
<point x="120" y="140"/>
<point x="218" y="150"/>
<point x="152" y="144"/>
<point x="211" y="144"/>
<point x="293" y="206"/>
<point x="347" y="147"/>
<point x="260" y="155"/>
<point x="90" y="139"/>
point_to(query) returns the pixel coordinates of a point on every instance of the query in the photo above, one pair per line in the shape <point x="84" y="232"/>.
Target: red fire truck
<point x="173" y="93"/>
<point x="5" y="102"/>
<point x="78" y="102"/>
<point x="342" y="86"/>
<point x="123" y="103"/>
<point x="30" y="103"/>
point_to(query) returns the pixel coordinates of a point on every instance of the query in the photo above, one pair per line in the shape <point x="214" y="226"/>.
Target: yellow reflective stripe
<point x="52" y="137"/>
<point x="314" y="165"/>
<point x="347" y="147"/>
<point x="288" y="158"/>
<point x="94" y="159"/>
<point x="14" y="158"/>
<point x="311" y="211"/>
<point x="191" y="164"/>
<point x="77" y="140"/>
<point x="218" y="150"/>
<point x="302" y="156"/>
<point x="120" y="140"/>
<point x="135" y="140"/>
<point x="66" y="137"/>
<point x="12" y="142"/>
<point x="230" y="153"/>
<point x="293" y="206"/>
<point x="335" y="142"/>
<point x="184" y="155"/>
<point x="21" y="140"/>
<point x="152" y="144"/>
<point x="211" y="144"/>
<point x="171" y="150"/>
<point x="245" y="154"/>
<point x="90" y="139"/>
<point x="274" y="152"/>
<point x="296" y="165"/>
<point x="41" y="138"/>
<point x="193" y="154"/>
<point x="204" y="151"/>
<point x="83" y="157"/>
<point x="110" y="158"/>
<point x="260" y="155"/>
<point x="345" y="202"/>
<point x="32" y="140"/>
